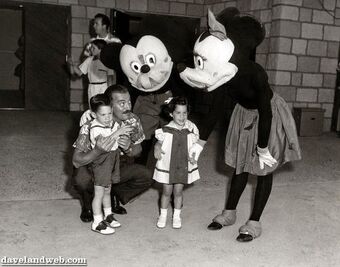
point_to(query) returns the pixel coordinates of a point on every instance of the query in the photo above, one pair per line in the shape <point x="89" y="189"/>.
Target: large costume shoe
<point x="249" y="231"/>
<point x="86" y="215"/>
<point x="116" y="207"/>
<point x="228" y="217"/>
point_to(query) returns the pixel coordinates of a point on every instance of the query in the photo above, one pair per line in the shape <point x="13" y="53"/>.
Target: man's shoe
<point x="86" y="215"/>
<point x="119" y="210"/>
<point x="116" y="207"/>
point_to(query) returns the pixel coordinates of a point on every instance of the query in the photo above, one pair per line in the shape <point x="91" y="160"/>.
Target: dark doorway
<point x="12" y="57"/>
<point x="45" y="40"/>
<point x="177" y="33"/>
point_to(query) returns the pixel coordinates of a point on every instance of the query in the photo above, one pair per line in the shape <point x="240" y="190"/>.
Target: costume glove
<point x="265" y="157"/>
<point x="85" y="117"/>
<point x="195" y="152"/>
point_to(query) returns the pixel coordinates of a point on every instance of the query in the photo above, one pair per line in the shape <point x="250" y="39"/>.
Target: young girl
<point x="105" y="168"/>
<point x="174" y="169"/>
<point x="100" y="77"/>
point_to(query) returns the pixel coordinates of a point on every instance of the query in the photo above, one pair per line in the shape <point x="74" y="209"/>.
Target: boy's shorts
<point x="105" y="169"/>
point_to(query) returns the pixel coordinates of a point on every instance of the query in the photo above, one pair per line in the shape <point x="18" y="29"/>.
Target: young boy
<point x="100" y="77"/>
<point x="105" y="168"/>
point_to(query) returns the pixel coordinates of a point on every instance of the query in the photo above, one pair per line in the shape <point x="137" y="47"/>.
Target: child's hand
<point x="124" y="130"/>
<point x="192" y="159"/>
<point x="195" y="151"/>
<point x="158" y="151"/>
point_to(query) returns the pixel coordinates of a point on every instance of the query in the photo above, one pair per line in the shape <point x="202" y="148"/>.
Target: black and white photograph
<point x="177" y="133"/>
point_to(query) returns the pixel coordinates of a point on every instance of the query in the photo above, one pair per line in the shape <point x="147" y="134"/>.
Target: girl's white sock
<point x="97" y="218"/>
<point x="177" y="213"/>
<point x="164" y="212"/>
<point x="107" y="211"/>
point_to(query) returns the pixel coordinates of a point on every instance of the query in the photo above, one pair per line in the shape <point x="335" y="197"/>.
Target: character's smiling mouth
<point x="197" y="83"/>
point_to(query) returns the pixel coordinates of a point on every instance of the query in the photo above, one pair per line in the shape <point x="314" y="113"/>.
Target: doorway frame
<point x="10" y="4"/>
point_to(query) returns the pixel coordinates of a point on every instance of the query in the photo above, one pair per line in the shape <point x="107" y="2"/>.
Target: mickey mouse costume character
<point x="148" y="67"/>
<point x="262" y="133"/>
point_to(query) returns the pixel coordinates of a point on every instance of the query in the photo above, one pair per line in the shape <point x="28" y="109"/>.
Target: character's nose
<point x="145" y="68"/>
<point x="181" y="67"/>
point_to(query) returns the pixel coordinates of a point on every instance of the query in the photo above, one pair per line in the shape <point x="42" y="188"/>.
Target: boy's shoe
<point x="102" y="228"/>
<point x="176" y="222"/>
<point x="161" y="223"/>
<point x="111" y="221"/>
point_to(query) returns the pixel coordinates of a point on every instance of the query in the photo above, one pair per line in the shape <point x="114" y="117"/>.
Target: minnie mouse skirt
<point x="241" y="140"/>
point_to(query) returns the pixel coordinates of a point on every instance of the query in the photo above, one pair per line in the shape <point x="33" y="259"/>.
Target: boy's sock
<point x="177" y="213"/>
<point x="97" y="218"/>
<point x="107" y="211"/>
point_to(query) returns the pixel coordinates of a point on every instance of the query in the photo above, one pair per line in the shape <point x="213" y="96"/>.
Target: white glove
<point x="265" y="157"/>
<point x="85" y="117"/>
<point x="195" y="152"/>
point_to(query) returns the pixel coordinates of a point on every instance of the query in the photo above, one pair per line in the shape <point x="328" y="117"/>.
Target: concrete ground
<point x="40" y="212"/>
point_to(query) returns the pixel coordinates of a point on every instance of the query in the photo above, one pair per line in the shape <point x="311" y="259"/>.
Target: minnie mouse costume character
<point x="262" y="133"/>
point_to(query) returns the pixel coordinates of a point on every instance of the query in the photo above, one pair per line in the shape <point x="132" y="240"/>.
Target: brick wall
<point x="304" y="47"/>
<point x="300" y="51"/>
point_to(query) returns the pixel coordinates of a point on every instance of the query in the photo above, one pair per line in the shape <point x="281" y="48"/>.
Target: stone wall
<point x="300" y="51"/>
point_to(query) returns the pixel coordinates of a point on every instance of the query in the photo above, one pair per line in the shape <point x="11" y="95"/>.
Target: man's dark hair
<point x="116" y="88"/>
<point x="105" y="19"/>
<point x="99" y="100"/>
<point x="99" y="43"/>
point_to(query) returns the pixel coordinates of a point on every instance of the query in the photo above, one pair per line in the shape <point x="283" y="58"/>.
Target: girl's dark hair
<point x="99" y="100"/>
<point x="99" y="43"/>
<point x="171" y="106"/>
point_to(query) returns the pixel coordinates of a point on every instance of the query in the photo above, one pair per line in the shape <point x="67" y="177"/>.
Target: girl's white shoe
<point x="176" y="222"/>
<point x="161" y="221"/>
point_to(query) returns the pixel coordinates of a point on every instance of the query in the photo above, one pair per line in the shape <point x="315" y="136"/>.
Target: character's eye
<point x="150" y="59"/>
<point x="135" y="66"/>
<point x="199" y="62"/>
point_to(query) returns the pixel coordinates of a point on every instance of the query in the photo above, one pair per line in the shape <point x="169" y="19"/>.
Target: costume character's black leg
<point x="252" y="228"/>
<point x="228" y="216"/>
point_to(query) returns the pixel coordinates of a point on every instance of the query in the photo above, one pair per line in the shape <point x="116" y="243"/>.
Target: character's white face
<point x="212" y="66"/>
<point x="147" y="66"/>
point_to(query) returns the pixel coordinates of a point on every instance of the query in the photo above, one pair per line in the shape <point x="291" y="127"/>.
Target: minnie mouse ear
<point x="109" y="55"/>
<point x="244" y="29"/>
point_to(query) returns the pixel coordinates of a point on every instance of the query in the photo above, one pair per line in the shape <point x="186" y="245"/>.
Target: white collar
<point x="172" y="124"/>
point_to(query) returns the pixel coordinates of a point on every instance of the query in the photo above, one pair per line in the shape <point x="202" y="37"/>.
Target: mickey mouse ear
<point x="216" y="28"/>
<point x="109" y="55"/>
